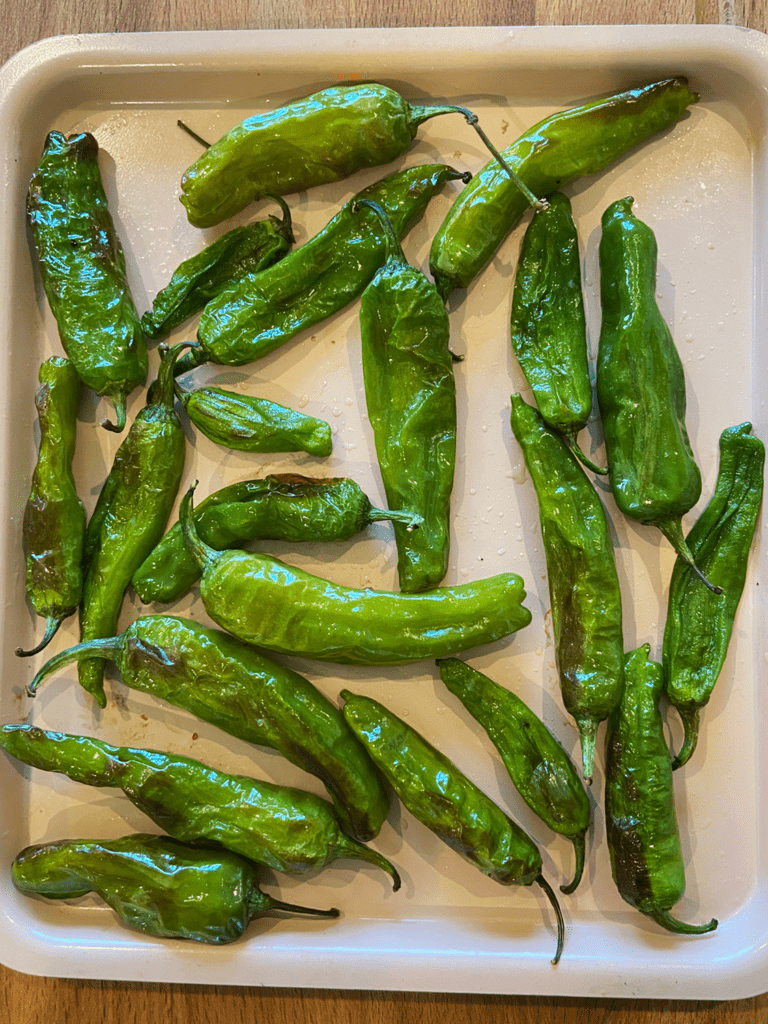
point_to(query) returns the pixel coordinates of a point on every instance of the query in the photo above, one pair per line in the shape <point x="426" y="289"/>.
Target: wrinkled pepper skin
<point x="245" y="423"/>
<point x="436" y="792"/>
<point x="699" y="624"/>
<point x="130" y="515"/>
<point x="583" y="582"/>
<point x="247" y="249"/>
<point x="54" y="517"/>
<point x="83" y="270"/>
<point x="559" y="149"/>
<point x="410" y="396"/>
<point x="539" y="768"/>
<point x="286" y="829"/>
<point x="283" y="506"/>
<point x="260" y="312"/>
<point x="248" y="695"/>
<point x="265" y="602"/>
<point x="156" y="885"/>
<point x="641" y="824"/>
<point x="315" y="140"/>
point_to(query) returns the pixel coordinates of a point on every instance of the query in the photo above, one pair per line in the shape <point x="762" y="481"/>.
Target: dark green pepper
<point x="83" y="270"/>
<point x="243" y="250"/>
<point x="540" y="769"/>
<point x="411" y="400"/>
<point x="155" y="884"/>
<point x="263" y="601"/>
<point x="641" y="825"/>
<point x="130" y="515"/>
<point x="565" y="146"/>
<point x="583" y="582"/>
<point x="446" y="801"/>
<point x="699" y="624"/>
<point x="284" y="506"/>
<point x="258" y="313"/>
<point x="287" y="829"/>
<point x="54" y="517"/>
<point x="249" y="696"/>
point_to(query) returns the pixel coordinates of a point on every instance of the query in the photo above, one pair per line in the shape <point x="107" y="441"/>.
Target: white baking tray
<point x="702" y="186"/>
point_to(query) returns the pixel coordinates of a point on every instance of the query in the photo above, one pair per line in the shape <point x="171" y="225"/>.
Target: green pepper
<point x="641" y="385"/>
<point x="699" y="624"/>
<point x="155" y="884"/>
<point x="243" y="250"/>
<point x="54" y="517"/>
<point x="539" y="768"/>
<point x="436" y="792"/>
<point x="641" y="825"/>
<point x="239" y="690"/>
<point x="263" y="601"/>
<point x="83" y="270"/>
<point x="130" y="515"/>
<point x="249" y="424"/>
<point x="283" y="828"/>
<point x="548" y="322"/>
<point x="565" y="146"/>
<point x="583" y="582"/>
<point x="258" y="313"/>
<point x="411" y="400"/>
<point x="282" y="506"/>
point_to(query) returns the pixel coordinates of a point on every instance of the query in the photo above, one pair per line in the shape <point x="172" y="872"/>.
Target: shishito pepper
<point x="699" y="624"/>
<point x="411" y="401"/>
<point x="155" y="884"/>
<point x="248" y="695"/>
<point x="83" y="270"/>
<point x="565" y="146"/>
<point x="54" y="517"/>
<point x="641" y="825"/>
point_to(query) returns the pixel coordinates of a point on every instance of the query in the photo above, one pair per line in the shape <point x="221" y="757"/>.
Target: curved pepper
<point x="224" y="682"/>
<point x="155" y="884"/>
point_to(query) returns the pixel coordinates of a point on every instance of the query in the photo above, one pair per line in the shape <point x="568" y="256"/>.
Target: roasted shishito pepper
<point x="248" y="695"/>
<point x="539" y="768"/>
<point x="583" y="582"/>
<point x="155" y="884"/>
<point x="568" y="145"/>
<point x="641" y="825"/>
<point x="83" y="270"/>
<point x="411" y="400"/>
<point x="436" y="792"/>
<point x="699" y="624"/>
<point x="283" y="828"/>
<point x="54" y="517"/>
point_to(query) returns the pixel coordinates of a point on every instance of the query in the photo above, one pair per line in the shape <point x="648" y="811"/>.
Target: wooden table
<point x="30" y="1000"/>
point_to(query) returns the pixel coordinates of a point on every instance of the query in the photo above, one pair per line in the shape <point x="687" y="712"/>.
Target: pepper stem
<point x="391" y="241"/>
<point x="195" y="136"/>
<point x="587" y="733"/>
<point x="412" y="520"/>
<point x="571" y="443"/>
<point x="104" y="647"/>
<point x="51" y="626"/>
<point x="285" y="226"/>
<point x="541" y="880"/>
<point x="200" y="551"/>
<point x="672" y="528"/>
<point x="580" y="849"/>
<point x="665" y="919"/>
<point x="291" y="908"/>
<point x="345" y="846"/>
<point x="690" y="717"/>
<point x="119" y="402"/>
<point x="162" y="392"/>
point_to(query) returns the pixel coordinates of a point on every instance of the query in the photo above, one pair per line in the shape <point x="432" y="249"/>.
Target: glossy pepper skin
<point x="539" y="768"/>
<point x="155" y="884"/>
<point x="83" y="270"/>
<point x="195" y="282"/>
<point x="260" y="312"/>
<point x="248" y="695"/>
<point x="565" y="146"/>
<point x="315" y="140"/>
<point x="699" y="624"/>
<point x="436" y="792"/>
<point x="283" y="828"/>
<point x="265" y="602"/>
<point x="410" y="396"/>
<point x="282" y="506"/>
<point x="548" y="322"/>
<point x="246" y="423"/>
<point x="583" y="582"/>
<point x="130" y="515"/>
<point x="641" y="825"/>
<point x="54" y="517"/>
